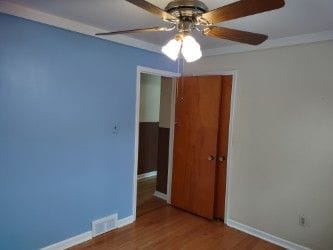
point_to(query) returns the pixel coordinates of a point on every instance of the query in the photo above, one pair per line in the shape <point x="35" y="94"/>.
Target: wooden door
<point x="222" y="147"/>
<point x="195" y="144"/>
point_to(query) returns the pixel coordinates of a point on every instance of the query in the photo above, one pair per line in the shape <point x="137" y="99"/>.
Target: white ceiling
<point x="298" y="17"/>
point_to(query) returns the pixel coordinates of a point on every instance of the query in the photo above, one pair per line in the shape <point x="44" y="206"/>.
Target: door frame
<point x="173" y="75"/>
<point x="233" y="108"/>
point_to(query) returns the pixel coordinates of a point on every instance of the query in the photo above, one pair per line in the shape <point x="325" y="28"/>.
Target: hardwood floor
<point x="146" y="201"/>
<point x="146" y="188"/>
<point x="171" y="228"/>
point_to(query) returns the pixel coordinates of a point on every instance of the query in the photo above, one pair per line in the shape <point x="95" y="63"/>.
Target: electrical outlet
<point x="303" y="220"/>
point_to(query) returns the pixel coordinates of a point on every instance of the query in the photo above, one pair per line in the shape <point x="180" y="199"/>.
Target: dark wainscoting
<point x="148" y="147"/>
<point x="162" y="160"/>
<point x="154" y="152"/>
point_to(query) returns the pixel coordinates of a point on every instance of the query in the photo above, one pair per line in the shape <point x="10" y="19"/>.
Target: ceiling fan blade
<point x="235" y="35"/>
<point x="241" y="8"/>
<point x="152" y="9"/>
<point x="153" y="29"/>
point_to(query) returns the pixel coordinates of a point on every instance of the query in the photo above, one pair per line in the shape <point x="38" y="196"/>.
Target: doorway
<point x="154" y="139"/>
<point x="225" y="160"/>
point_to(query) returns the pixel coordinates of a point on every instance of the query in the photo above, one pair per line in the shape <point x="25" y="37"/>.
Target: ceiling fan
<point x="187" y="16"/>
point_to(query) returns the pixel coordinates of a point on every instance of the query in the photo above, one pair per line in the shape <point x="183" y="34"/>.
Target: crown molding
<point x="64" y="23"/>
<point x="273" y="43"/>
<point x="67" y="24"/>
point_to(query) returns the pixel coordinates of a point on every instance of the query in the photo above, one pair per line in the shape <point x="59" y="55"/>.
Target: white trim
<point x="171" y="139"/>
<point x="156" y="72"/>
<point x="233" y="108"/>
<point x="266" y="236"/>
<point x="272" y="43"/>
<point x="125" y="221"/>
<point x="64" y="23"/>
<point x="70" y="242"/>
<point x="78" y="239"/>
<point x="147" y="175"/>
<point x="136" y="141"/>
<point x="160" y="195"/>
<point x="141" y="69"/>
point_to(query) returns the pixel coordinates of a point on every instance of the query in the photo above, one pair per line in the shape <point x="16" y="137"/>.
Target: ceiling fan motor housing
<point x="186" y="8"/>
<point x="187" y="12"/>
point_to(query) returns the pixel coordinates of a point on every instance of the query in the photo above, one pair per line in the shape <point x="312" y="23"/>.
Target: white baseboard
<point x="147" y="175"/>
<point x="160" y="195"/>
<point x="70" y="242"/>
<point x="266" y="236"/>
<point x="78" y="239"/>
<point x="125" y="221"/>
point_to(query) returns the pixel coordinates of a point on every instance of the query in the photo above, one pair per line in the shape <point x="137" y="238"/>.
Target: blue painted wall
<point x="60" y="164"/>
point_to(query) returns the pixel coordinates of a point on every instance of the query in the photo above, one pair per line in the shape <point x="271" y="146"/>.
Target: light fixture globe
<point x="191" y="49"/>
<point x="172" y="49"/>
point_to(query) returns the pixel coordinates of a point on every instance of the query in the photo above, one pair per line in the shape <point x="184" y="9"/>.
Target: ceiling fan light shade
<point x="191" y="49"/>
<point x="172" y="49"/>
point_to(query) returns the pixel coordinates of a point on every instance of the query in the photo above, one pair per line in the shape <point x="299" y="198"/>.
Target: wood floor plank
<point x="146" y="201"/>
<point x="171" y="228"/>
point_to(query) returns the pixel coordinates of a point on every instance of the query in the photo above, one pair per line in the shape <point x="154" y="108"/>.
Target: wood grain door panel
<point x="222" y="147"/>
<point x="197" y="118"/>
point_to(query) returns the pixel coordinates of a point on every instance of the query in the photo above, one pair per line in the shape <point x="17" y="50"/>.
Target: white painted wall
<point x="150" y="93"/>
<point x="282" y="141"/>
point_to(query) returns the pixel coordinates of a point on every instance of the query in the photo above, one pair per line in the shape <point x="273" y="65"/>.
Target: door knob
<point x="211" y="158"/>
<point x="221" y="158"/>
